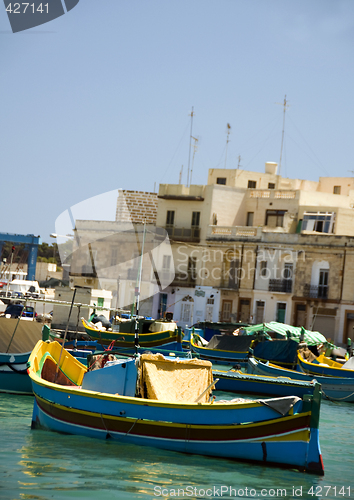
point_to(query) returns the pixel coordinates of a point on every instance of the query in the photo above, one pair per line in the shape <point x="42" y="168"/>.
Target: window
<point x="321" y="222"/>
<point x="263" y="267"/>
<point x="288" y="272"/>
<point x="100" y="301"/>
<point x="163" y="304"/>
<point x="166" y="262"/>
<point x="195" y="219"/>
<point x="249" y="221"/>
<point x="170" y="218"/>
<point x="192" y="268"/>
<point x="252" y="184"/>
<point x="114" y="256"/>
<point x="221" y="180"/>
<point x="323" y="284"/>
<point x="233" y="273"/>
<point x="271" y="185"/>
<point x="336" y="189"/>
<point x="275" y="218"/>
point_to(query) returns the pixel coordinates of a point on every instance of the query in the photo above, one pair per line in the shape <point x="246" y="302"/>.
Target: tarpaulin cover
<point x="282" y="351"/>
<point x="174" y="380"/>
<point x="281" y="329"/>
<point x="26" y="336"/>
<point x="231" y="342"/>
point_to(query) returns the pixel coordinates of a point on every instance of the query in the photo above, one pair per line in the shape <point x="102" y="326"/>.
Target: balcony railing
<point x="316" y="291"/>
<point x="233" y="232"/>
<point x="86" y="271"/>
<point x="183" y="233"/>
<point x="280" y="285"/>
<point x="229" y="283"/>
<point x="184" y="279"/>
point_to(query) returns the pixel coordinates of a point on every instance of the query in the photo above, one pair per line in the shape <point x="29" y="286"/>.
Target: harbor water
<point x="41" y="465"/>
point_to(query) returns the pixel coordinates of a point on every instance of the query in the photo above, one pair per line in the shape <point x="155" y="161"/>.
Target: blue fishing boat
<point x="326" y="367"/>
<point x="17" y="339"/>
<point x="171" y="409"/>
<point x="231" y="349"/>
<point x="250" y="383"/>
<point x="333" y="388"/>
<point x="227" y="349"/>
<point x="164" y="334"/>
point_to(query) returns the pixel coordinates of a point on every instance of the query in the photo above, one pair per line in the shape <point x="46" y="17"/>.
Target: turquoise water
<point x="41" y="465"/>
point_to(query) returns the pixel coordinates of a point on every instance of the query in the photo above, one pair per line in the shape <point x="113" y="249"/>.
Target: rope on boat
<point x="132" y="427"/>
<point x="337" y="399"/>
<point x="328" y="397"/>
<point x="108" y="435"/>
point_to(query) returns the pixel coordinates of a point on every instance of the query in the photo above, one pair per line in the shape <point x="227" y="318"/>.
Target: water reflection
<point x="38" y="464"/>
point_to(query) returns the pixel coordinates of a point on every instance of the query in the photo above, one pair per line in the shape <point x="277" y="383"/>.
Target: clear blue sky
<point x="100" y="98"/>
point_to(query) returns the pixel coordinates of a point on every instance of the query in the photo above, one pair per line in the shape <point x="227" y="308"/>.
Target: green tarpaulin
<point x="286" y="331"/>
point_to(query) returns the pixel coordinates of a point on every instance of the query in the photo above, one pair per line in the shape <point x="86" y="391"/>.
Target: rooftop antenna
<point x="190" y="145"/>
<point x="239" y="162"/>
<point x="285" y="107"/>
<point x="180" y="175"/>
<point x="228" y="127"/>
<point x="195" y="148"/>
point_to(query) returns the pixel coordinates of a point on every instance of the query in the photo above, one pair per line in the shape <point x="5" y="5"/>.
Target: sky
<point x="100" y="98"/>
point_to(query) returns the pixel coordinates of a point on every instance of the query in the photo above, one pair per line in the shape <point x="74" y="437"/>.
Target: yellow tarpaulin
<point x="26" y="337"/>
<point x="174" y="380"/>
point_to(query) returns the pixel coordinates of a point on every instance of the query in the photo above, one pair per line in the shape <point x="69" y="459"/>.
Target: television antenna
<point x="190" y="144"/>
<point x="195" y="149"/>
<point x="285" y="107"/>
<point x="228" y="128"/>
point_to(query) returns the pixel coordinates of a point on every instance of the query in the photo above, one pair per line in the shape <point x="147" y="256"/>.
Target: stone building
<point x="256" y="247"/>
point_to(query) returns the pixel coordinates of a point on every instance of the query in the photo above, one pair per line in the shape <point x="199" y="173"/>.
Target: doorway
<point x="281" y="312"/>
<point x="226" y="310"/>
<point x="244" y="310"/>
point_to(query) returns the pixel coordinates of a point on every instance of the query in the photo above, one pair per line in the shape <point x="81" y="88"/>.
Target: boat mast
<point x="137" y="292"/>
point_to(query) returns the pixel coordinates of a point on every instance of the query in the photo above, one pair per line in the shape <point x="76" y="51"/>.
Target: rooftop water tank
<point x="271" y="168"/>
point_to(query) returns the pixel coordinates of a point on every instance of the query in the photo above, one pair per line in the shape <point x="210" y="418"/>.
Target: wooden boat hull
<point x="13" y="373"/>
<point x="252" y="430"/>
<point x="235" y="381"/>
<point x="333" y="388"/>
<point x="317" y="368"/>
<point x="168" y="338"/>
<point x="218" y="355"/>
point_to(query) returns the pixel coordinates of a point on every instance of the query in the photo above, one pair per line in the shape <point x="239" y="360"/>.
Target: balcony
<point x="282" y="194"/>
<point x="230" y="284"/>
<point x="283" y="286"/>
<point x="315" y="291"/>
<point x="229" y="233"/>
<point x="184" y="233"/>
<point x="87" y="271"/>
<point x="184" y="279"/>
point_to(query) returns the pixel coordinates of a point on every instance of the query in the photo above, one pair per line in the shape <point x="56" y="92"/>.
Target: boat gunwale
<point x="167" y="423"/>
<point x="212" y="350"/>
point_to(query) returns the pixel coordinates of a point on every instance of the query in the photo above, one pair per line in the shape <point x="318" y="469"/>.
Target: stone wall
<point x="136" y="206"/>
